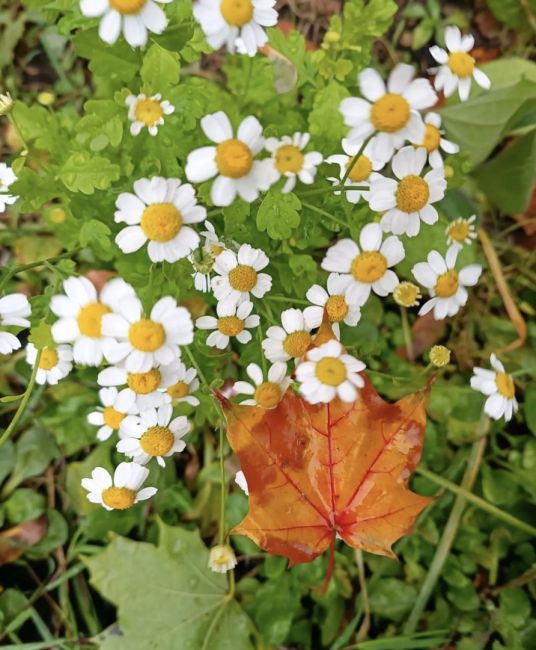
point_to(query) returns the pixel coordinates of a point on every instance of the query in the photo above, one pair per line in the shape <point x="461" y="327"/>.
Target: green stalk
<point x="19" y="268"/>
<point x="353" y="163"/>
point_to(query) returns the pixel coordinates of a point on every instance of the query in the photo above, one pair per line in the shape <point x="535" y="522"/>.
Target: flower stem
<point x="19" y="268"/>
<point x="353" y="163"/>
<point x="407" y="333"/>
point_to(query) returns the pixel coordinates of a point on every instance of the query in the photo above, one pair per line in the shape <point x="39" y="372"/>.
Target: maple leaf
<point x="317" y="472"/>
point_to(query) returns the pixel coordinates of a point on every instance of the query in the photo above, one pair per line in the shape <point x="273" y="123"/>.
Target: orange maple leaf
<point x="319" y="471"/>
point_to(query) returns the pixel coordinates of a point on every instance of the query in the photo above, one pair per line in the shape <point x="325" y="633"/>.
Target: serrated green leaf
<point x="278" y="214"/>
<point x="325" y="121"/>
<point x="41" y="336"/>
<point x="82" y="172"/>
<point x="160" y="68"/>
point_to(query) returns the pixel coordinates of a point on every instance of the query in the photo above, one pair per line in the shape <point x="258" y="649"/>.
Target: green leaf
<point x="530" y="407"/>
<point x="512" y="12"/>
<point x="85" y="173"/>
<point x="392" y="598"/>
<point x="24" y="505"/>
<point x="325" y="121"/>
<point x="278" y="214"/>
<point x="160" y="68"/>
<point x="41" y="336"/>
<point x="117" y="62"/>
<point x="176" y="36"/>
<point x="194" y="610"/>
<point x="96" y="234"/>
<point x="508" y="178"/>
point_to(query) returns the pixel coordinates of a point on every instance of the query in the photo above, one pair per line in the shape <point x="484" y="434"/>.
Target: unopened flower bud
<point x="6" y="103"/>
<point x="221" y="558"/>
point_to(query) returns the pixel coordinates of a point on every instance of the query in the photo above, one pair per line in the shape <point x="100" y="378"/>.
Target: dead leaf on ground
<point x="14" y="541"/>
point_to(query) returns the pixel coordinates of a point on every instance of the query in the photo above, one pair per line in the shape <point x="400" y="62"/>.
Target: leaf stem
<point x="24" y="401"/>
<point x="333" y="188"/>
<point x="324" y="214"/>
<point x="353" y="163"/>
<point x="19" y="268"/>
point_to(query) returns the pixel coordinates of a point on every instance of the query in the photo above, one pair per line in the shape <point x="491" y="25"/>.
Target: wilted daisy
<point x="392" y="113"/>
<point x="143" y="343"/>
<point x="147" y="112"/>
<point x="231" y="160"/>
<point x="153" y="434"/>
<point x="290" y="341"/>
<point x="14" y="310"/>
<point x="407" y="294"/>
<point x="238" y="275"/>
<point x="55" y="363"/>
<point x="367" y="266"/>
<point x="361" y="173"/>
<point x="408" y="200"/>
<point x="445" y="284"/>
<point x="121" y="492"/>
<point x="232" y="321"/>
<point x="149" y="388"/>
<point x="186" y="384"/>
<point x="434" y="141"/>
<point x="6" y="103"/>
<point x="132" y="17"/>
<point x="159" y="212"/>
<point x="238" y="24"/>
<point x="289" y="159"/>
<point x="266" y="394"/>
<point x="80" y="313"/>
<point x="329" y="372"/>
<point x="116" y="405"/>
<point x="499" y="387"/>
<point x="461" y="231"/>
<point x="7" y="178"/>
<point x="204" y="257"/>
<point x="333" y="302"/>
<point x="221" y="558"/>
<point x="457" y="65"/>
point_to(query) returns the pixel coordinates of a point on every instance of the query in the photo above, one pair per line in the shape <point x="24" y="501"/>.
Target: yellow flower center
<point x="89" y="319"/>
<point x="230" y="325"/>
<point x="57" y="215"/>
<point x="243" y="278"/>
<point x="432" y="138"/>
<point x="296" y="343"/>
<point x="148" y="111"/>
<point x="143" y="383"/>
<point x="216" y="250"/>
<point x="390" y="113"/>
<point x="234" y="158"/>
<point x="288" y="158"/>
<point x="268" y="395"/>
<point x="112" y="417"/>
<point x="161" y="221"/>
<point x="412" y="194"/>
<point x="406" y="294"/>
<point x="461" y="64"/>
<point x="439" y="356"/>
<point x="118" y="498"/>
<point x="178" y="390"/>
<point x="236" y="12"/>
<point x="361" y="170"/>
<point x="157" y="441"/>
<point x="505" y="384"/>
<point x="447" y="284"/>
<point x="146" y="335"/>
<point x="336" y="308"/>
<point x="369" y="267"/>
<point x="330" y="371"/>
<point x="458" y="231"/>
<point x="49" y="359"/>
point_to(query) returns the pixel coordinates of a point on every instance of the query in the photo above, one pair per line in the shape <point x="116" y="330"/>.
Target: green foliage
<point x="278" y="214"/>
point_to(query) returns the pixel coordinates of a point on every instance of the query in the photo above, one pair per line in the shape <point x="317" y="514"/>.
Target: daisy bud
<point x="407" y="294"/>
<point x="6" y="104"/>
<point x="46" y="98"/>
<point x="221" y="558"/>
<point x="439" y="356"/>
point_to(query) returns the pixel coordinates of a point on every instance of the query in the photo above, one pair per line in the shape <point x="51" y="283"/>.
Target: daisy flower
<point x="233" y="320"/>
<point x="266" y="394"/>
<point x="221" y="558"/>
<point x="153" y="434"/>
<point x="407" y="294"/>
<point x="148" y="389"/>
<point x="187" y="383"/>
<point x="231" y="160"/>
<point x="121" y="492"/>
<point x="445" y="284"/>
<point x="333" y="302"/>
<point x="367" y="266"/>
<point x="329" y="372"/>
<point x="433" y="141"/>
<point x="391" y="112"/>
<point x="361" y="173"/>
<point x="499" y="387"/>
<point x="7" y="178"/>
<point x="54" y="364"/>
<point x="14" y="310"/>
<point x="116" y="406"/>
<point x="289" y="160"/>
<point x="159" y="212"/>
<point x="80" y="313"/>
<point x="238" y="24"/>
<point x="408" y="200"/>
<point x="457" y="66"/>
<point x="147" y="112"/>
<point x="461" y="231"/>
<point x="132" y="17"/>
<point x="204" y="257"/>
<point x="290" y="341"/>
<point x="238" y="275"/>
<point x="143" y="343"/>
